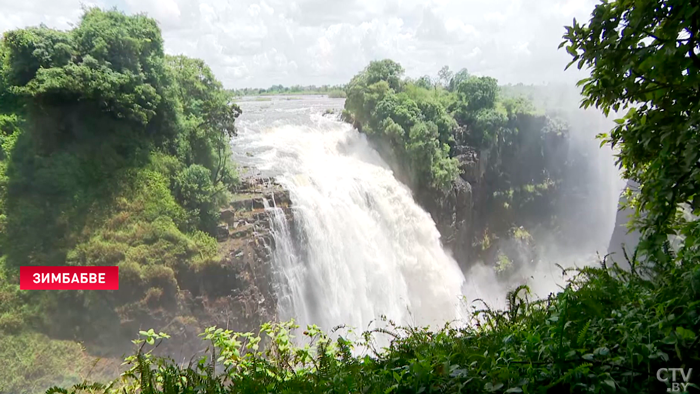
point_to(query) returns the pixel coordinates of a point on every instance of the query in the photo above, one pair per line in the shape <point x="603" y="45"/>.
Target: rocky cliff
<point x="234" y="292"/>
<point x="501" y="193"/>
<point x="246" y="244"/>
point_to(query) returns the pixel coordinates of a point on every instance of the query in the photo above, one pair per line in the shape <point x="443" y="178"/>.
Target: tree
<point x="643" y="57"/>
<point x="85" y="113"/>
<point x="415" y="125"/>
<point x="478" y="92"/>
<point x="424" y="82"/>
<point x="210" y="114"/>
<point x="460" y="76"/>
<point x="445" y="76"/>
<point x="380" y="70"/>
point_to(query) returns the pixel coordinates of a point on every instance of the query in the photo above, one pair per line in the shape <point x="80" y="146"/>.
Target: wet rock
<point x="236" y="292"/>
<point x="469" y="165"/>
<point x="452" y="212"/>
<point x="247" y="249"/>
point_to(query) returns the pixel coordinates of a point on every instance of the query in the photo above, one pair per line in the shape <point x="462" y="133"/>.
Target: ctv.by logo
<point x="676" y="386"/>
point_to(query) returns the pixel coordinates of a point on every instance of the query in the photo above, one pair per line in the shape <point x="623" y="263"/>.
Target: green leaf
<point x="684" y="333"/>
<point x="669" y="340"/>
<point x="514" y="390"/>
<point x="603" y="351"/>
<point x="610" y="383"/>
<point x="490" y="387"/>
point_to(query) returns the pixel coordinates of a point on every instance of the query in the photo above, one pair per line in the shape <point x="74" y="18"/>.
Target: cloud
<point x="265" y="42"/>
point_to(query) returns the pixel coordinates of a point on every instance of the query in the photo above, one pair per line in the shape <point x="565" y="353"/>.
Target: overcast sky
<point x="258" y="43"/>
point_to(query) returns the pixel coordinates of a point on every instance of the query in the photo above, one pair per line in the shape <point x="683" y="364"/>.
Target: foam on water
<point x="361" y="247"/>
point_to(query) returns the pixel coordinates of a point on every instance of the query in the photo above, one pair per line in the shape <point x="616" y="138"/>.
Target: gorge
<point x="395" y="234"/>
<point x="410" y="200"/>
<point x="357" y="246"/>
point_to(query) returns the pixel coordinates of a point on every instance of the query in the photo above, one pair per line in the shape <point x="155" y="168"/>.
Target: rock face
<point x="246" y="242"/>
<point x="621" y="237"/>
<point x="496" y="191"/>
<point x="452" y="212"/>
<point x="234" y="293"/>
<point x="456" y="211"/>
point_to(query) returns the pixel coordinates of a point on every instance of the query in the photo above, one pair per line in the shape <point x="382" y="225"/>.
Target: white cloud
<point x="265" y="42"/>
<point x="167" y="12"/>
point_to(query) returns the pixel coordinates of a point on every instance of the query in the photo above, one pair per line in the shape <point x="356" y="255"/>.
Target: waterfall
<point x="360" y="247"/>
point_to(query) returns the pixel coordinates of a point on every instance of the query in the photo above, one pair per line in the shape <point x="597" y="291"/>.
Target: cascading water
<point x="361" y="247"/>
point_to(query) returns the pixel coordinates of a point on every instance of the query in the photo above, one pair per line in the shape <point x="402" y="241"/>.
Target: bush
<point x="609" y="330"/>
<point x="195" y="191"/>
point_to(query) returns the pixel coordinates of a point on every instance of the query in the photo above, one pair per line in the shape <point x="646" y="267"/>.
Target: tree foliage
<point x="643" y="58"/>
<point x="432" y="133"/>
<point x="445" y="76"/>
<point x="113" y="153"/>
<point x="406" y="117"/>
<point x="426" y="127"/>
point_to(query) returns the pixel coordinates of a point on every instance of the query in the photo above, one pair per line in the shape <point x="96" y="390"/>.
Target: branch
<point x="653" y="36"/>
<point x="638" y="75"/>
<point x="692" y="43"/>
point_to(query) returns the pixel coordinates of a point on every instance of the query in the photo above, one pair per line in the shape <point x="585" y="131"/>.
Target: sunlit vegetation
<point x="424" y="121"/>
<point x="408" y="118"/>
<point x="113" y="153"/>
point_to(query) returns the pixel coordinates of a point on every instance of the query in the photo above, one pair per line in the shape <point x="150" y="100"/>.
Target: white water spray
<point x="363" y="247"/>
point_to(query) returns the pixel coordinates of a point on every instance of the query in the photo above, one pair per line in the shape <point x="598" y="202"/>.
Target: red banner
<point x="68" y="278"/>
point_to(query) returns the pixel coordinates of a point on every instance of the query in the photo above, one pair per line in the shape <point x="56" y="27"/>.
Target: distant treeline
<point x="333" y="91"/>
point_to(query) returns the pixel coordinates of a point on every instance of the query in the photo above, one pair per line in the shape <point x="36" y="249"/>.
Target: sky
<point x="259" y="43"/>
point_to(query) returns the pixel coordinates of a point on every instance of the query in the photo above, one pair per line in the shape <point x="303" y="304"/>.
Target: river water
<point x="362" y="247"/>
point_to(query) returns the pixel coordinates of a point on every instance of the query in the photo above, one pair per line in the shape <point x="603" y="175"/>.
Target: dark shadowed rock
<point x="622" y="239"/>
<point x="452" y="212"/>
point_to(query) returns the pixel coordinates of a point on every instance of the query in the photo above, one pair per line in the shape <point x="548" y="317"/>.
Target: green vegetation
<point x="35" y="362"/>
<point x="275" y="90"/>
<point x="409" y="119"/>
<point x="423" y="122"/>
<point x="112" y="154"/>
<point x="434" y="131"/>
<point x="608" y="331"/>
<point x="644" y="58"/>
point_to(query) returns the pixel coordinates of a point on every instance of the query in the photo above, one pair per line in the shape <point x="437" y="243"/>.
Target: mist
<point x="586" y="213"/>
